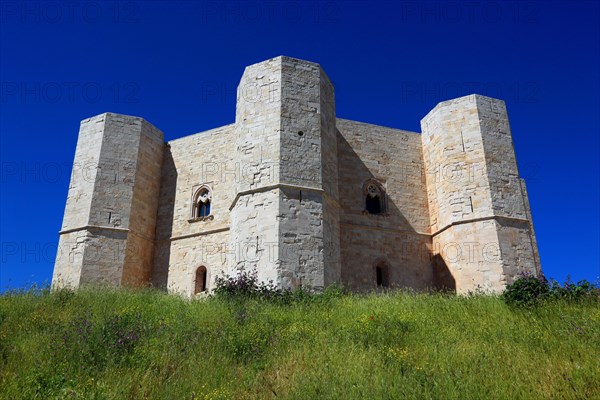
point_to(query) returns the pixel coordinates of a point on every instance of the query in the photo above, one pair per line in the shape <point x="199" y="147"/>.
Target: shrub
<point x="245" y="284"/>
<point x="573" y="291"/>
<point x="527" y="290"/>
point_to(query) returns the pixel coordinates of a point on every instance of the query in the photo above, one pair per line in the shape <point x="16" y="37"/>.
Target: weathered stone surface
<point x="110" y="218"/>
<point x="301" y="196"/>
<point x="399" y="237"/>
<point x="480" y="225"/>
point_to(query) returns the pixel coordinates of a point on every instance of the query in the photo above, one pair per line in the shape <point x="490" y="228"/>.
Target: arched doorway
<point x="200" y="280"/>
<point x="381" y="275"/>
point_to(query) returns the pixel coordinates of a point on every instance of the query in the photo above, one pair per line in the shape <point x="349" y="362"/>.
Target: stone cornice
<point x="190" y="235"/>
<point x="87" y="227"/>
<point x="105" y="228"/>
<point x="279" y="186"/>
<point x="492" y="217"/>
<point x="380" y="228"/>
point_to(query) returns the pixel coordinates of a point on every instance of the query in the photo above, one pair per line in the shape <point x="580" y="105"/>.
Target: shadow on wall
<point x="442" y="277"/>
<point x="164" y="221"/>
<point x="369" y="241"/>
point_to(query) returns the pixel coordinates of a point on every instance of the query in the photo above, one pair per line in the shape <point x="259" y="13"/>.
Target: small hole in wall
<point x="300" y="133"/>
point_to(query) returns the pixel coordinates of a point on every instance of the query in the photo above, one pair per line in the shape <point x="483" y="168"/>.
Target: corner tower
<point x="107" y="236"/>
<point x="481" y="226"/>
<point x="285" y="215"/>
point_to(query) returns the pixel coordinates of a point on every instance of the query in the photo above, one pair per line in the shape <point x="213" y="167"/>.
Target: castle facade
<point x="300" y="196"/>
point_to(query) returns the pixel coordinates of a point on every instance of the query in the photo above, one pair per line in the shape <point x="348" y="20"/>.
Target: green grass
<point x="120" y="344"/>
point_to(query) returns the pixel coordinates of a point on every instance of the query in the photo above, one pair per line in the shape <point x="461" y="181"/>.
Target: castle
<point x="302" y="197"/>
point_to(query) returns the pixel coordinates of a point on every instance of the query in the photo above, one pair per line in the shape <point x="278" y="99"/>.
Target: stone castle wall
<point x="182" y="243"/>
<point x="288" y="184"/>
<point x="400" y="236"/>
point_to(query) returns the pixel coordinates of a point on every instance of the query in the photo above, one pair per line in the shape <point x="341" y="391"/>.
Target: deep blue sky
<point x="177" y="64"/>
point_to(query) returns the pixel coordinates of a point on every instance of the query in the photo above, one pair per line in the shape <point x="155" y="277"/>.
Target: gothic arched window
<point x="202" y="203"/>
<point x="375" y="200"/>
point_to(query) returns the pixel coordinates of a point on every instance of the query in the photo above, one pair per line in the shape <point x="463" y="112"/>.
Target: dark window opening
<point x="375" y="200"/>
<point x="373" y="205"/>
<point x="381" y="276"/>
<point x="204" y="209"/>
<point x="200" y="281"/>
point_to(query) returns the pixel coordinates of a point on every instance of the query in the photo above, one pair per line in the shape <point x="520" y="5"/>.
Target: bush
<point x="245" y="284"/>
<point x="529" y="290"/>
<point x="574" y="291"/>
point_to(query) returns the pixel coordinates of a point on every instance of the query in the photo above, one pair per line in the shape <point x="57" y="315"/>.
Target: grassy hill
<point x="120" y="344"/>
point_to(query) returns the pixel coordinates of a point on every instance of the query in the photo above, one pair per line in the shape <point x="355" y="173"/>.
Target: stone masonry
<point x="302" y="197"/>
